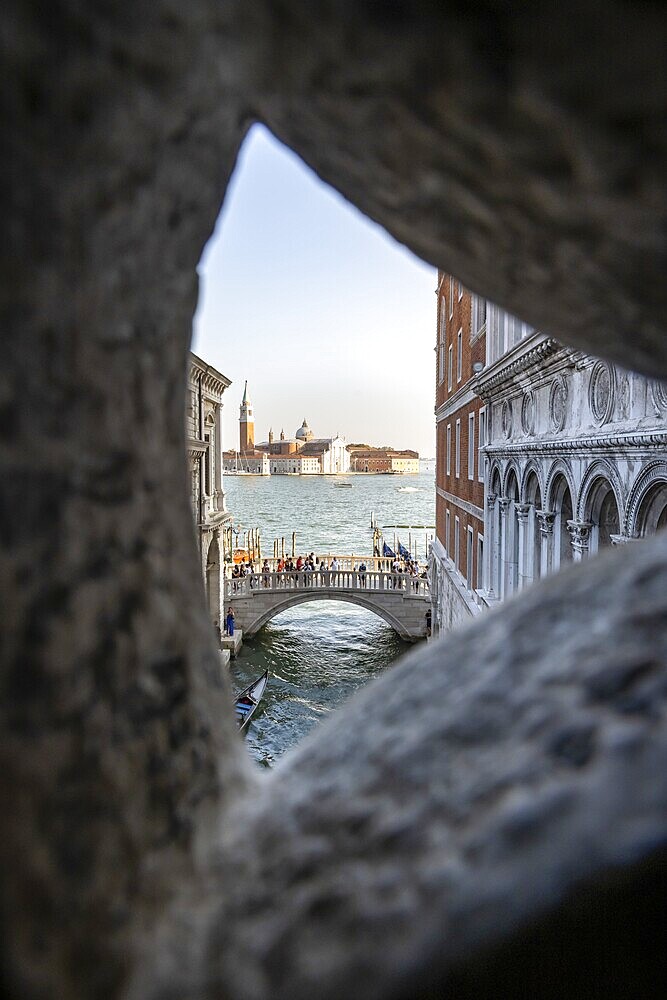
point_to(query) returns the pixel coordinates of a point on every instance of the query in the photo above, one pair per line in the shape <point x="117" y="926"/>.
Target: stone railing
<point x="341" y="579"/>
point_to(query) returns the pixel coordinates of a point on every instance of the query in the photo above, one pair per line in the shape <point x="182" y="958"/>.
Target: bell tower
<point x="246" y="423"/>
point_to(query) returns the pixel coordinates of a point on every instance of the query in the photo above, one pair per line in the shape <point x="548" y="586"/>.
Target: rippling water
<point x="320" y="653"/>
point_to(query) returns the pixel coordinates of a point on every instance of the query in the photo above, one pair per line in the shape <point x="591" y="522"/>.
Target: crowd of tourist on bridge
<point x="310" y="570"/>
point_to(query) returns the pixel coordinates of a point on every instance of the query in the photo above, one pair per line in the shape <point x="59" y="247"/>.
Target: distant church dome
<point x="304" y="432"/>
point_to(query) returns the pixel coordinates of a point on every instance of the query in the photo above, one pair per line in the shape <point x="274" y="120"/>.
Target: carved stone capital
<point x="504" y="504"/>
<point x="621" y="539"/>
<point x="522" y="510"/>
<point x="491" y="500"/>
<point x="546" y="519"/>
<point x="580" y="533"/>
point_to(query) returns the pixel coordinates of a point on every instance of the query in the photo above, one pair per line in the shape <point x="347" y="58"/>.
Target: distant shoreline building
<point x="306" y="455"/>
<point x="367" y="459"/>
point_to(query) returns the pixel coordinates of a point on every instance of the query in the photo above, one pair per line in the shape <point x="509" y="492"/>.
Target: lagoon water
<point x="320" y="652"/>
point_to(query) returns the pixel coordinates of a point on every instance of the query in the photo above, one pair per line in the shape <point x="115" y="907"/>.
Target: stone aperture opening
<point x="120" y="754"/>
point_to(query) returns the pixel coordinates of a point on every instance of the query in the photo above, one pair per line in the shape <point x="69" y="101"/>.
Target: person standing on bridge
<point x="229" y="621"/>
<point x="362" y="573"/>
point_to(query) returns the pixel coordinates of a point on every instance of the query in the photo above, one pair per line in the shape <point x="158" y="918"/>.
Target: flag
<point x="386" y="551"/>
<point x="402" y="551"/>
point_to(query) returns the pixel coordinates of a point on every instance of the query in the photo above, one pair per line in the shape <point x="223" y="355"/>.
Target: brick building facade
<point x="458" y="550"/>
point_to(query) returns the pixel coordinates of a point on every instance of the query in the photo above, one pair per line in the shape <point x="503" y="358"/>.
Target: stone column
<point x="580" y="535"/>
<point x="217" y="459"/>
<point x="503" y="503"/>
<point x="546" y="520"/>
<point x="522" y="510"/>
<point x="490" y="551"/>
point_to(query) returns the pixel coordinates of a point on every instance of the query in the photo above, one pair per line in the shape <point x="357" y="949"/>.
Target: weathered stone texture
<point x="524" y="154"/>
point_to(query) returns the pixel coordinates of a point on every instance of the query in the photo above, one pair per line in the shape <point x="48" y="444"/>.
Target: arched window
<point x="562" y="505"/>
<point x="511" y="557"/>
<point x="652" y="513"/>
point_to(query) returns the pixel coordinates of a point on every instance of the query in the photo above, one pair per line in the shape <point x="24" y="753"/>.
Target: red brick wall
<point x="461" y="487"/>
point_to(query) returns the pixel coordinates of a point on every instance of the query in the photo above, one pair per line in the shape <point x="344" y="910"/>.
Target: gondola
<point x="248" y="700"/>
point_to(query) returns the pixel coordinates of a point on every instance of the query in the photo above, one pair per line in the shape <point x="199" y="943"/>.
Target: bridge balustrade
<point x="340" y="579"/>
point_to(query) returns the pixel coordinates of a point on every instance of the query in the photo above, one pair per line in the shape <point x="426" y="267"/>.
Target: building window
<point x="449" y="449"/>
<point x="460" y="291"/>
<point x="441" y="363"/>
<point x="457" y="532"/>
<point x="458" y="448"/>
<point x="471" y="446"/>
<point x="451" y="296"/>
<point x="480" y="562"/>
<point x="469" y="551"/>
<point x="447" y="529"/>
<point x="450" y="367"/>
<point x="459" y="355"/>
<point x="482" y="442"/>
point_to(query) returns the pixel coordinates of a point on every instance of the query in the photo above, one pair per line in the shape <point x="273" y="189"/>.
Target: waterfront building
<point x="301" y="455"/>
<point x="203" y="420"/>
<point x="457" y="554"/>
<point x="570" y="457"/>
<point x="306" y="455"/>
<point x="366" y="459"/>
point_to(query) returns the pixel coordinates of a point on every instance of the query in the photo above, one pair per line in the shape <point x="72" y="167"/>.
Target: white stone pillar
<point x="490" y="548"/>
<point x="503" y="503"/>
<point x="546" y="520"/>
<point x="580" y="536"/>
<point x="522" y="511"/>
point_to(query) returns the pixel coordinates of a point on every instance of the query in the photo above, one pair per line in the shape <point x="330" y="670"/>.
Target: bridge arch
<point x="286" y="601"/>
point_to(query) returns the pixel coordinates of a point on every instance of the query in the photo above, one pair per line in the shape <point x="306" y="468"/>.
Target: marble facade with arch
<point x="203" y="429"/>
<point x="590" y="461"/>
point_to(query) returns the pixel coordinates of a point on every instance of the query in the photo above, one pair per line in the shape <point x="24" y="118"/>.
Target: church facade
<point x="301" y="455"/>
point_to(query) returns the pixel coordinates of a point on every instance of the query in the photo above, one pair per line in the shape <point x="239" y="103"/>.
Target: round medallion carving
<point x="558" y="403"/>
<point x="659" y="393"/>
<point x="601" y="392"/>
<point x="528" y="412"/>
<point x="506" y="418"/>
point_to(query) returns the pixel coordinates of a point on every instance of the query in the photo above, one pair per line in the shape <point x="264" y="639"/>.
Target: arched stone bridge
<point x="401" y="600"/>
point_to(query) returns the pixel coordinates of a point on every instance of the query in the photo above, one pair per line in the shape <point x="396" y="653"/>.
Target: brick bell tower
<point x="246" y="423"/>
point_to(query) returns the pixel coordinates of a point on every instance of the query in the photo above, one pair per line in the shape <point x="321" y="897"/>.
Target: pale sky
<point x="325" y="314"/>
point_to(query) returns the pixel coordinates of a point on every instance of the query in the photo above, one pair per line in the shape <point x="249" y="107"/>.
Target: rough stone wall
<point x="397" y="851"/>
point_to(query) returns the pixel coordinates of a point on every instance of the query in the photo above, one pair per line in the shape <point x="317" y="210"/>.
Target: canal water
<point x="319" y="653"/>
